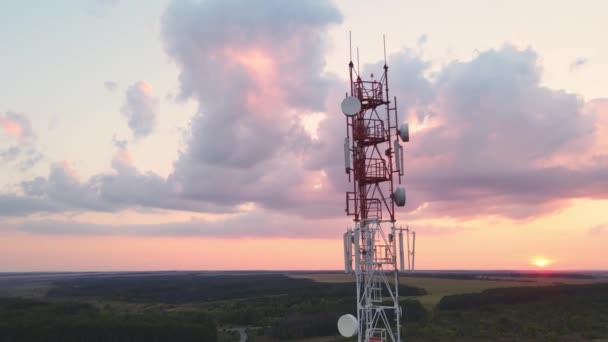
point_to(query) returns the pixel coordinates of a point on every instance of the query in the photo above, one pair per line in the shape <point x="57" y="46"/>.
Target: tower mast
<point x="373" y="161"/>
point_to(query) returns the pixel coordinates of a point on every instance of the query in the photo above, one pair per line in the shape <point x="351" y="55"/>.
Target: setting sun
<point x="541" y="262"/>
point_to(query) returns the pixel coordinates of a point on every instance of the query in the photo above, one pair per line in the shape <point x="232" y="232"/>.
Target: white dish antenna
<point x="351" y="106"/>
<point x="404" y="132"/>
<point x="348" y="325"/>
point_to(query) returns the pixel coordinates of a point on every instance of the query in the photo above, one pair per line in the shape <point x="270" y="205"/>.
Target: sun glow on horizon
<point x="541" y="262"/>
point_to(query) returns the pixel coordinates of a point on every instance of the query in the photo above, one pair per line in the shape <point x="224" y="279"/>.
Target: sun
<point x="541" y="262"/>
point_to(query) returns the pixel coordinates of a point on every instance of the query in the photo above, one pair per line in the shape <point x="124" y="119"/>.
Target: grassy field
<point x="440" y="287"/>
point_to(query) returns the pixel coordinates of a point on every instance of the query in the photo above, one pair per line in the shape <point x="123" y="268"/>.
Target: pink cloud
<point x="482" y="130"/>
<point x="18" y="129"/>
<point x="17" y="126"/>
<point x="140" y="109"/>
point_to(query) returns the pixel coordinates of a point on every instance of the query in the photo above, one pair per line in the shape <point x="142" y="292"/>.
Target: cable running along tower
<point x="374" y="162"/>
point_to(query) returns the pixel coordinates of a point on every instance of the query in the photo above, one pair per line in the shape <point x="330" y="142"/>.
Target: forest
<point x="201" y="307"/>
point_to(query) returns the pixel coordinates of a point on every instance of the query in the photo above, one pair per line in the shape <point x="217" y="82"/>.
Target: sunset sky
<point x="167" y="134"/>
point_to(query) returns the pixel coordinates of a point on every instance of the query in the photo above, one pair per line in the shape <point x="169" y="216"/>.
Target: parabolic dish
<point x="351" y="106"/>
<point x="348" y="325"/>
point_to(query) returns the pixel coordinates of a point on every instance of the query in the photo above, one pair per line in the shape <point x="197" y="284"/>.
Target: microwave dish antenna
<point x="351" y="106"/>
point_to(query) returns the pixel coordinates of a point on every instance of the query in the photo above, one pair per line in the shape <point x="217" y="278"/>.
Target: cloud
<point x="63" y="191"/>
<point x="422" y="40"/>
<point x="237" y="226"/>
<point x="110" y="86"/>
<point x="18" y="205"/>
<point x="487" y="137"/>
<point x="63" y="188"/>
<point x="428" y="230"/>
<point x="255" y="77"/>
<point x="17" y="126"/>
<point x="31" y="158"/>
<point x="578" y="63"/>
<point x="10" y="154"/>
<point x="18" y="129"/>
<point x="247" y="142"/>
<point x="140" y="109"/>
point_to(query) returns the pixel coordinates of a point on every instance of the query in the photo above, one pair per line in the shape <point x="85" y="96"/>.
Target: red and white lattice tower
<point x="374" y="162"/>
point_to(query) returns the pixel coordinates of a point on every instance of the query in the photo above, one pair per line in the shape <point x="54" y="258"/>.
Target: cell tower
<point x="373" y="160"/>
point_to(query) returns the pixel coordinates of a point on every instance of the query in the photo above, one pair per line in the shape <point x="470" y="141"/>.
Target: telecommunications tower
<point x="374" y="162"/>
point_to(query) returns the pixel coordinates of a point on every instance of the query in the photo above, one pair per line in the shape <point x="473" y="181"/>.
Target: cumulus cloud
<point x="18" y="205"/>
<point x="64" y="188"/>
<point x="122" y="161"/>
<point x="483" y="144"/>
<point x="487" y="137"/>
<point x="254" y="77"/>
<point x="17" y="126"/>
<point x="31" y="158"/>
<point x="25" y="157"/>
<point x="63" y="191"/>
<point x="140" y="109"/>
<point x="251" y="224"/>
<point x="19" y="131"/>
<point x="10" y="154"/>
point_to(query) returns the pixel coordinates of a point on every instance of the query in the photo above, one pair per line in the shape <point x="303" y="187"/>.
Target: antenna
<point x="374" y="156"/>
<point x="358" y="69"/>
<point x="402" y="247"/>
<point x="409" y="263"/>
<point x="398" y="155"/>
<point x="347" y="155"/>
<point x="413" y="249"/>
<point x="384" y="42"/>
<point x="351" y="106"/>
<point x="347" y="326"/>
<point x="401" y="264"/>
<point x="348" y="253"/>
<point x="350" y="45"/>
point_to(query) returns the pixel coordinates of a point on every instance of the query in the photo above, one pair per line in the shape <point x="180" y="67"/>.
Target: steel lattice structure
<point x="372" y="143"/>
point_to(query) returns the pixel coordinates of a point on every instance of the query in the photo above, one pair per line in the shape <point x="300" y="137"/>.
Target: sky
<point x="207" y="135"/>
